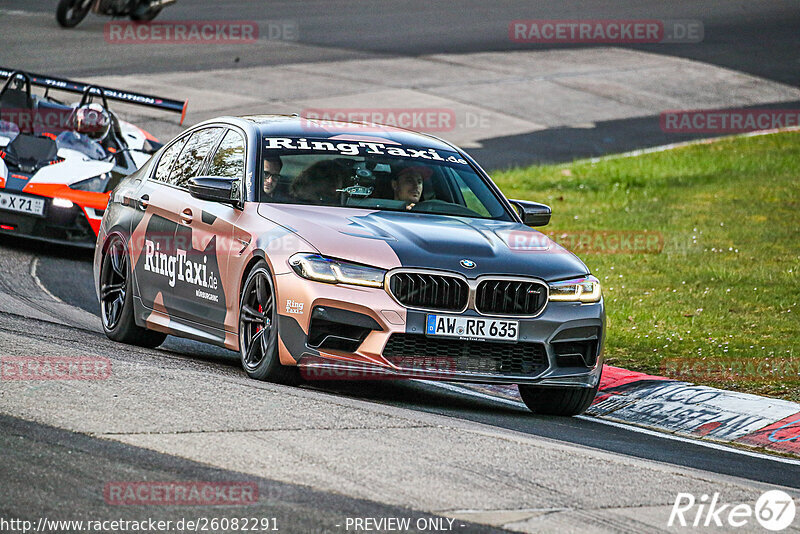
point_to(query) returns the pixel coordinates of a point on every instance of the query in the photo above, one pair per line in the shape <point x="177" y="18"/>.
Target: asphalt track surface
<point x="69" y="279"/>
<point x="73" y="466"/>
<point x="756" y="37"/>
<point x="759" y="38"/>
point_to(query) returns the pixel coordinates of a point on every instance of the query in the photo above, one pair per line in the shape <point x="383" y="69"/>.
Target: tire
<point x="69" y="13"/>
<point x="258" y="330"/>
<point x="116" y="299"/>
<point x="565" y="401"/>
<point x="145" y="16"/>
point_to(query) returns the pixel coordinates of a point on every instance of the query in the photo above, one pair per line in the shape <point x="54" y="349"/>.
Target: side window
<point x="192" y="156"/>
<point x="228" y="162"/>
<point x="167" y="159"/>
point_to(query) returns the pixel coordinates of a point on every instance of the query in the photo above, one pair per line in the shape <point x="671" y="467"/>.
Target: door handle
<point x="143" y="202"/>
<point x="186" y="216"/>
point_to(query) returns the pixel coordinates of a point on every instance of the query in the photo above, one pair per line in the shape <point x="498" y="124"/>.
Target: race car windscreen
<point x="80" y="143"/>
<point x="373" y="176"/>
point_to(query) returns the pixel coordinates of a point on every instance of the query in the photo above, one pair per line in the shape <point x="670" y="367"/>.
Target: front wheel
<point x="116" y="299"/>
<point x="258" y="330"/>
<point x="70" y="13"/>
<point x="549" y="400"/>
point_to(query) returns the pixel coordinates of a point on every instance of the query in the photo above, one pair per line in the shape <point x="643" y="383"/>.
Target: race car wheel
<point x="70" y="13"/>
<point x="567" y="401"/>
<point x="145" y="16"/>
<point x="116" y="300"/>
<point x="258" y="330"/>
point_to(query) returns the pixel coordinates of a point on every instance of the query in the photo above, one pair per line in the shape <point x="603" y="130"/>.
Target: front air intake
<point x="429" y="291"/>
<point x="510" y="297"/>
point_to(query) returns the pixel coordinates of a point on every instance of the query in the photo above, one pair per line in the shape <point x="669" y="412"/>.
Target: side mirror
<point x="532" y="213"/>
<point x="215" y="189"/>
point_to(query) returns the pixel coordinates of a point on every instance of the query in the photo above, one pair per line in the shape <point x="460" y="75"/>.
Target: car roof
<point x="297" y="127"/>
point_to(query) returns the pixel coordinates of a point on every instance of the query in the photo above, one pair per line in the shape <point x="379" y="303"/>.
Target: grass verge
<point x="718" y="304"/>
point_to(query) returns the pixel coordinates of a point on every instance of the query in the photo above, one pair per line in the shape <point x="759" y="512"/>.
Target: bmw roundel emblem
<point x="468" y="264"/>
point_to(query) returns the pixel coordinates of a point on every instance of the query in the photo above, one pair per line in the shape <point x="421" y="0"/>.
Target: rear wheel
<point x="566" y="401"/>
<point x="258" y="330"/>
<point x="116" y="299"/>
<point x="70" y="13"/>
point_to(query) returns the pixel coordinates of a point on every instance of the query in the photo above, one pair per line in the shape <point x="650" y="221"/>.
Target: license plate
<point x="472" y="327"/>
<point x="29" y="205"/>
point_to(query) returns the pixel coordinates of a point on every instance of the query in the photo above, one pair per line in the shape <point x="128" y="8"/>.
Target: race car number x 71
<point x="33" y="206"/>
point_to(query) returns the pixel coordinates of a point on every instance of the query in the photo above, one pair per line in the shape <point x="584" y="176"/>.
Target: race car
<point x="58" y="162"/>
<point x="331" y="249"/>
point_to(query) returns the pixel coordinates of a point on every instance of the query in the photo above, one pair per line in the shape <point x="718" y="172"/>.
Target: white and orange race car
<point x="58" y="162"/>
<point x="323" y="250"/>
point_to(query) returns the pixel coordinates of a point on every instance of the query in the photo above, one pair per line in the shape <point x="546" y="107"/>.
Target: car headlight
<point x="578" y="290"/>
<point x="97" y="184"/>
<point x="322" y="269"/>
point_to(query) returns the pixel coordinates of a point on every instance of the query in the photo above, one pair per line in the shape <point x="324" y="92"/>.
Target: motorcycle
<point x="70" y="13"/>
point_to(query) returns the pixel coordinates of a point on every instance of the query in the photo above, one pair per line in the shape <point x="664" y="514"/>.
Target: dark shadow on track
<point x="560" y="145"/>
<point x="30" y="490"/>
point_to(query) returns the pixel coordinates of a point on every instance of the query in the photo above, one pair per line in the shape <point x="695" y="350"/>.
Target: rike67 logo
<point x="774" y="510"/>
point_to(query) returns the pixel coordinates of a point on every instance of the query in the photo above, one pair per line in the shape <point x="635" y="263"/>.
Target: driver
<point x="407" y="184"/>
<point x="272" y="191"/>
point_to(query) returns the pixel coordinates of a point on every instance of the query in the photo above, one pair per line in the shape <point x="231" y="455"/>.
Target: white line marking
<point x="640" y="430"/>
<point x="702" y="443"/>
<point x="17" y="12"/>
<point x="34" y="265"/>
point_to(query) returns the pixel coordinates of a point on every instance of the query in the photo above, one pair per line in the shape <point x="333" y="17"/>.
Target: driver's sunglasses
<point x="272" y="176"/>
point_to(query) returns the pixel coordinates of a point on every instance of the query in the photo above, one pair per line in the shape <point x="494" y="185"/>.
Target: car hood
<point x="391" y="239"/>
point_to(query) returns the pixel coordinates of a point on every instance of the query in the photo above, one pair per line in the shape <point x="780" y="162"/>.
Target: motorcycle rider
<point x="70" y="13"/>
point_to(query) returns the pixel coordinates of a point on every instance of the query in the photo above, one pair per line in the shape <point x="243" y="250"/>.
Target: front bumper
<point x="70" y="226"/>
<point x="559" y="325"/>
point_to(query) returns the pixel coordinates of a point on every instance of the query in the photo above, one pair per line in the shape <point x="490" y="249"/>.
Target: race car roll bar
<point x="13" y="76"/>
<point x="129" y="97"/>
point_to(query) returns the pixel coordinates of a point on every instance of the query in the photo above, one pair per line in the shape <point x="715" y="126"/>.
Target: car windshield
<point x="80" y="143"/>
<point x="371" y="175"/>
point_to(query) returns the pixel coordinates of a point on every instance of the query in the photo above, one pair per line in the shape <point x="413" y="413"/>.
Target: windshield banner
<point x="361" y="148"/>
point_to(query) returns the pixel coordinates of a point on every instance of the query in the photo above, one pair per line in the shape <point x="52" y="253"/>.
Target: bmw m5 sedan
<point x="319" y="249"/>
